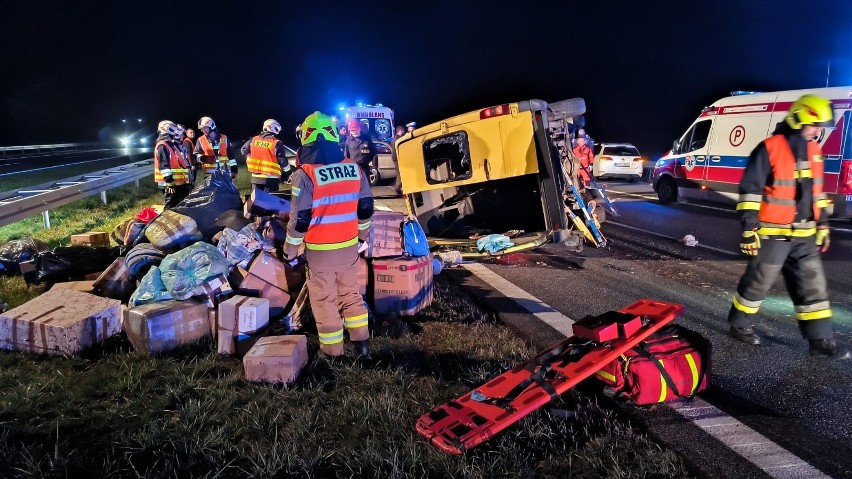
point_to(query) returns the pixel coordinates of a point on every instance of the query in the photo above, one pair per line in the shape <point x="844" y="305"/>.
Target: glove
<point x="362" y="246"/>
<point x="822" y="239"/>
<point x="750" y="243"/>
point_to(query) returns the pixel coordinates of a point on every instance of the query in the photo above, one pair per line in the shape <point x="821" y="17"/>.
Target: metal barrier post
<point x="103" y="196"/>
<point x="45" y="218"/>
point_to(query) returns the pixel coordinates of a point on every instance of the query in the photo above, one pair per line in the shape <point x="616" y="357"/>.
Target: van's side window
<point x="695" y="137"/>
<point x="447" y="158"/>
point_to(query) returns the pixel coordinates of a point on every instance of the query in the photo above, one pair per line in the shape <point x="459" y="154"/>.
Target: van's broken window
<point x="447" y="158"/>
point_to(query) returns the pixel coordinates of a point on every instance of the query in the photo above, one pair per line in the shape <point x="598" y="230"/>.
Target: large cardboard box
<point x="163" y="326"/>
<point x="276" y="359"/>
<point x="385" y="235"/>
<point x="115" y="281"/>
<point x="239" y="319"/>
<point x="272" y="270"/>
<point x="84" y="286"/>
<point x="402" y="285"/>
<point x="60" y="321"/>
<point x="278" y="299"/>
<point x="90" y="238"/>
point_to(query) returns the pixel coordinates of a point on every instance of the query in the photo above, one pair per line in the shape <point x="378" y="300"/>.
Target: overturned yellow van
<point x="494" y="170"/>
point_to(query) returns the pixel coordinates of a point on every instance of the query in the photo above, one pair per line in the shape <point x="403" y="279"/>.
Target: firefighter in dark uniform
<point x="171" y="167"/>
<point x="359" y="147"/>
<point x="330" y="216"/>
<point x="266" y="159"/>
<point x="785" y="227"/>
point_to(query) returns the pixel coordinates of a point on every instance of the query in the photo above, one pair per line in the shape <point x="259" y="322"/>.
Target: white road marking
<point x="771" y="458"/>
<point x="672" y="238"/>
<point x="535" y="306"/>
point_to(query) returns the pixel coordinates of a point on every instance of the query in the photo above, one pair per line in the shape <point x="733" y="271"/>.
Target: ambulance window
<point x="447" y="158"/>
<point x="700" y="132"/>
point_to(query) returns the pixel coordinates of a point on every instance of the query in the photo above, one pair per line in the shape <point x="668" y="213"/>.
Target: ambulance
<point x="376" y="119"/>
<point x="707" y="162"/>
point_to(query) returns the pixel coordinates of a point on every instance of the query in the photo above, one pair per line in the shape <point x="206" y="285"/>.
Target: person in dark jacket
<point x="359" y="147"/>
<point x="785" y="227"/>
<point x="342" y="135"/>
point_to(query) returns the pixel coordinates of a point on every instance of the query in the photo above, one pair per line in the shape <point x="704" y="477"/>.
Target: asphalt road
<point x="800" y="403"/>
<point x="28" y="162"/>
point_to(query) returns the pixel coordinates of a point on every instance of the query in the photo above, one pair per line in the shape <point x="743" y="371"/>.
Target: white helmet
<point x="208" y="122"/>
<point x="167" y="127"/>
<point x="272" y="126"/>
<point x="180" y="129"/>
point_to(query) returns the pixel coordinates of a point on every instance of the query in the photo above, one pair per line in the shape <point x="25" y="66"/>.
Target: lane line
<point x="771" y="458"/>
<point x="660" y="235"/>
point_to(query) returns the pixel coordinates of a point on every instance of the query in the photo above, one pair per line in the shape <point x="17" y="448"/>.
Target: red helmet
<point x="353" y="124"/>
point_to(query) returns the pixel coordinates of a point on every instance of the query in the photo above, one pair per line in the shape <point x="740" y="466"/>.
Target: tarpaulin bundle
<point x="209" y="200"/>
<point x="187" y="269"/>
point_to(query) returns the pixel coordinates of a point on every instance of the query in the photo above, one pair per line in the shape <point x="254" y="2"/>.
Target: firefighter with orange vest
<point x="171" y="168"/>
<point x="586" y="157"/>
<point x="213" y="150"/>
<point x="266" y="159"/>
<point x="330" y="216"/>
<point x="785" y="227"/>
<point x="187" y="137"/>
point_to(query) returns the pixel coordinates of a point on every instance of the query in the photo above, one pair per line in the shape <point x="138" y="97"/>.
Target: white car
<point x="617" y="160"/>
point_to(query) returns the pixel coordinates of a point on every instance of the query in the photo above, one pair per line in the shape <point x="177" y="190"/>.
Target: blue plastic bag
<point x="414" y="241"/>
<point x="493" y="243"/>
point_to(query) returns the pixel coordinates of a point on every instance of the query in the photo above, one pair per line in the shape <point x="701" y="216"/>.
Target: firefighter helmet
<point x="272" y="126"/>
<point x="208" y="122"/>
<point x="181" y="130"/>
<point x="318" y="126"/>
<point x="810" y="110"/>
<point x="167" y="127"/>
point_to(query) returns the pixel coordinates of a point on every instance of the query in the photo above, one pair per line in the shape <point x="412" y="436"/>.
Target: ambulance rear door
<point x="739" y="128"/>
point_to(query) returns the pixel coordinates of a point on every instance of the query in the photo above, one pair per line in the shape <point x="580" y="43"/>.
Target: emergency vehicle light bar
<point x="494" y="111"/>
<point x="745" y="92"/>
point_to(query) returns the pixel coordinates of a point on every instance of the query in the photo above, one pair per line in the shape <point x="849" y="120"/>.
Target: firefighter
<point x="171" y="169"/>
<point x="584" y="154"/>
<point x="785" y="227"/>
<point x="331" y="210"/>
<point x="213" y="150"/>
<point x="266" y="159"/>
<point x="180" y="141"/>
<point x="359" y="147"/>
<point x="189" y="148"/>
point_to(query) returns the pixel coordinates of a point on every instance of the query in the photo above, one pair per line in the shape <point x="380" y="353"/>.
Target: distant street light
<point x="139" y="120"/>
<point x="123" y="120"/>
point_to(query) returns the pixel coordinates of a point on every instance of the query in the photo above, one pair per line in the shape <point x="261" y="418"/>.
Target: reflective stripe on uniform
<point x="748" y="205"/>
<point x="356" y="321"/>
<point x="330" y="246"/>
<point x="780" y="201"/>
<point x="820" y="310"/>
<point x="750" y="198"/>
<point x="293" y="240"/>
<point x="804" y="174"/>
<point x="364" y="226"/>
<point x="331" y="338"/>
<point x="330" y="219"/>
<point x="746" y="306"/>
<point x="330" y="200"/>
<point x="824" y="314"/>
<point x="794" y="233"/>
<point x="295" y="191"/>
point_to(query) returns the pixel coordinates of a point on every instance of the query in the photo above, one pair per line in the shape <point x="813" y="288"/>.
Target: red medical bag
<point x="673" y="363"/>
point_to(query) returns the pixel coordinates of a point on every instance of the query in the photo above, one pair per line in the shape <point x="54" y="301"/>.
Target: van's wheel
<point x="375" y="177"/>
<point x="666" y="190"/>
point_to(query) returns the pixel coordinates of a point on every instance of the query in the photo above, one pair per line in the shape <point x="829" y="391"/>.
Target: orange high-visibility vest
<point x="221" y="153"/>
<point x="261" y="160"/>
<point x="334" y="212"/>
<point x="172" y="166"/>
<point x="584" y="154"/>
<point x="779" y="199"/>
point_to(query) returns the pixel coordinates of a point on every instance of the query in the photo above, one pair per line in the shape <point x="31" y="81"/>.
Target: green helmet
<point x="810" y="110"/>
<point x="317" y="126"/>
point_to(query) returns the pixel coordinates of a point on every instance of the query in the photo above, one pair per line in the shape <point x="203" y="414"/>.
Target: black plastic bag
<point x="71" y="263"/>
<point x="15" y="252"/>
<point x="210" y="199"/>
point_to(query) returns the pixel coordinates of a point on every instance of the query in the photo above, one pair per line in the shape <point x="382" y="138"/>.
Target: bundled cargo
<point x="214" y="291"/>
<point x="385" y="235"/>
<point x="90" y="238"/>
<point x="402" y="285"/>
<point x="276" y="359"/>
<point x="275" y="272"/>
<point x="163" y="326"/>
<point x="172" y="230"/>
<point x="115" y="281"/>
<point x="60" y="321"/>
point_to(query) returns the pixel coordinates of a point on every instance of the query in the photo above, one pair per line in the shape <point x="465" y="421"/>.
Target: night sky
<point x="69" y="71"/>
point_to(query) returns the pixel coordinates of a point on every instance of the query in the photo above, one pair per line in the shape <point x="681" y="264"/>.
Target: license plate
<point x="622" y="165"/>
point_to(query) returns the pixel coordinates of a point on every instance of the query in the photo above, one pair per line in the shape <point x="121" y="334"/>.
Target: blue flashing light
<point x="745" y="92"/>
<point x="341" y="108"/>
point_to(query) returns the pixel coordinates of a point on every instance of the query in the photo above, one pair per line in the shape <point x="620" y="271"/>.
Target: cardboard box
<point x="385" y="235"/>
<point x="402" y="285"/>
<point x="214" y="291"/>
<point x="256" y="287"/>
<point x="272" y="270"/>
<point x="241" y="321"/>
<point x="115" y="282"/>
<point x="276" y="359"/>
<point x="60" y="321"/>
<point x="91" y="238"/>
<point x="83" y="286"/>
<point x="166" y="325"/>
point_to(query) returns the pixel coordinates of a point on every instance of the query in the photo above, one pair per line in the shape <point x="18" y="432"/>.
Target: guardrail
<point x="9" y="150"/>
<point x="24" y="203"/>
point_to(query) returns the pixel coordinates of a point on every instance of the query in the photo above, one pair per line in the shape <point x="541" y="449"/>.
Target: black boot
<point x="745" y="335"/>
<point x="361" y="348"/>
<point x="828" y="348"/>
